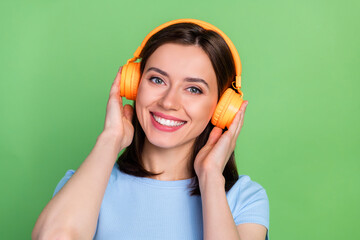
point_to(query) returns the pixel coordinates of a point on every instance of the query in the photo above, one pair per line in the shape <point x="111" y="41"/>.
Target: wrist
<point x="211" y="179"/>
<point x="111" y="140"/>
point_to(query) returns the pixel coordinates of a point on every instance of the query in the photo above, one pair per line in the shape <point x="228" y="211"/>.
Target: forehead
<point x="183" y="61"/>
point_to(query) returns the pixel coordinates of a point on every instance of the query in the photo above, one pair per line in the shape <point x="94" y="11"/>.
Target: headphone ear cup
<point x="130" y="78"/>
<point x="226" y="109"/>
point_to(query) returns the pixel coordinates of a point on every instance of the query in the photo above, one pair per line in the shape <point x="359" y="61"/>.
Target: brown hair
<point x="222" y="61"/>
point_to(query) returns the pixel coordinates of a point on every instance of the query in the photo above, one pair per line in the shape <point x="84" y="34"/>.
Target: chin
<point x="161" y="143"/>
<point x="168" y="143"/>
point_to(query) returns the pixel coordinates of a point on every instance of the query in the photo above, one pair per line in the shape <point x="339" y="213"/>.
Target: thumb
<point x="128" y="112"/>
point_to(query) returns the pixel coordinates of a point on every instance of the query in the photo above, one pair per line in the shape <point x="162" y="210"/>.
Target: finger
<point x="235" y="127"/>
<point x="128" y="112"/>
<point x="115" y="87"/>
<point x="243" y="109"/>
<point x="235" y="122"/>
<point x="214" y="136"/>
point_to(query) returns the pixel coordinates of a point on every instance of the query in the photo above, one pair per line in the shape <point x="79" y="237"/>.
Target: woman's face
<point x="177" y="95"/>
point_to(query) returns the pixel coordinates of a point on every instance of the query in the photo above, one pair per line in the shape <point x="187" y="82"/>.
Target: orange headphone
<point x="230" y="100"/>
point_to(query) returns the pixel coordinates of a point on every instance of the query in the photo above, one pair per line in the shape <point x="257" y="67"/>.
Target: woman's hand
<point x="213" y="157"/>
<point x="118" y="117"/>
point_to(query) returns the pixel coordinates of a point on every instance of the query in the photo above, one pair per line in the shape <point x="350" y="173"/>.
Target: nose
<point x="170" y="100"/>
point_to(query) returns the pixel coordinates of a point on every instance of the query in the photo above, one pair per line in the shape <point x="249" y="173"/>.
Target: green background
<point x="301" y="134"/>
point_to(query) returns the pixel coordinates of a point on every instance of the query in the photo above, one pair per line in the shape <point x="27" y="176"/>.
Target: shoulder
<point x="115" y="176"/>
<point x="248" y="202"/>
<point x="245" y="188"/>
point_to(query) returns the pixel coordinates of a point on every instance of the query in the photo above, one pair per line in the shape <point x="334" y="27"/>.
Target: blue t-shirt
<point x="145" y="208"/>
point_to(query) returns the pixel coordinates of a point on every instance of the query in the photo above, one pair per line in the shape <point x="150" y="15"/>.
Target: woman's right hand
<point x="118" y="117"/>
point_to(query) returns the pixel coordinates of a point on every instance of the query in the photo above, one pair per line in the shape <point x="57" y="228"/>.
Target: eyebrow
<point x="188" y="79"/>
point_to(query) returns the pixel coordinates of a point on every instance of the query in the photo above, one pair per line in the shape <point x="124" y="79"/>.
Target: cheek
<point x="202" y="112"/>
<point x="146" y="92"/>
<point x="142" y="96"/>
<point x="140" y="90"/>
<point x="146" y="97"/>
<point x="140" y="99"/>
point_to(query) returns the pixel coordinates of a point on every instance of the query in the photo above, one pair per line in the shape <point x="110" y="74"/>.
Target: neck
<point x="172" y="163"/>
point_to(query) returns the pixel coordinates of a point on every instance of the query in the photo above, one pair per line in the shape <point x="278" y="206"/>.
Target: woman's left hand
<point x="213" y="157"/>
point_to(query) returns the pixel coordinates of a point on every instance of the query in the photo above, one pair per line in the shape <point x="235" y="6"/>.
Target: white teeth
<point x="167" y="122"/>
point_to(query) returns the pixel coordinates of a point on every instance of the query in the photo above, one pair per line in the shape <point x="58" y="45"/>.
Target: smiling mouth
<point x="167" y="122"/>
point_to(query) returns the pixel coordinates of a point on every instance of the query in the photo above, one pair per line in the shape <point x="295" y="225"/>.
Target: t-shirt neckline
<point x="184" y="183"/>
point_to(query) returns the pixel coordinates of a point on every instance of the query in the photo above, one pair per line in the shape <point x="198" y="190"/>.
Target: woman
<point x="177" y="177"/>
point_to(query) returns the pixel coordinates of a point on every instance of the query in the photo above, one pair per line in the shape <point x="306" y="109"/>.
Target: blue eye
<point x="195" y="90"/>
<point x="156" y="80"/>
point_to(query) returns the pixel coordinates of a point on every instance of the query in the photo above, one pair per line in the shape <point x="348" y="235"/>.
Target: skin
<point x="73" y="212"/>
<point x="170" y="92"/>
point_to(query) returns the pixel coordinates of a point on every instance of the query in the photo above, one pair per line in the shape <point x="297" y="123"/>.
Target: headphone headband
<point x="206" y="26"/>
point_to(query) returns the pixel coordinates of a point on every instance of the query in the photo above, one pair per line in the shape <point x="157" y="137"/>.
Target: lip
<point x="162" y="127"/>
<point x="167" y="116"/>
